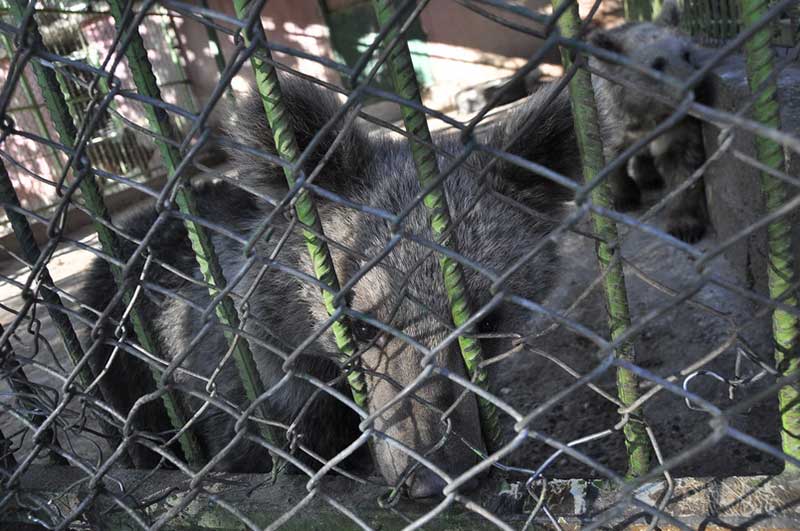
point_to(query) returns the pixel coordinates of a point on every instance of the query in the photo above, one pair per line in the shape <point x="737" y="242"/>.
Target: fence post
<point x="200" y="239"/>
<point x="173" y="42"/>
<point x="642" y="10"/>
<point x="780" y="266"/>
<point x="53" y="303"/>
<point x="31" y="253"/>
<point x="82" y="169"/>
<point x="216" y="49"/>
<point x="35" y="107"/>
<point x="287" y="148"/>
<point x="405" y="85"/>
<point x="590" y="145"/>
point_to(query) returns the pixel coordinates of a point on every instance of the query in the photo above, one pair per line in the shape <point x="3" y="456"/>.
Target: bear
<point x="391" y="271"/>
<point x="628" y="113"/>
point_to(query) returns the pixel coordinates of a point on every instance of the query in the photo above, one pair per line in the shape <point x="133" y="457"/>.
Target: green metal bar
<point x="201" y="242"/>
<point x="288" y="149"/>
<point x="122" y="154"/>
<point x="715" y="22"/>
<point x="720" y="14"/>
<point x="724" y="19"/>
<point x="707" y="18"/>
<point x="93" y="58"/>
<point x="642" y="10"/>
<point x="30" y="251"/>
<point x="780" y="267"/>
<point x="216" y="49"/>
<point x="173" y="45"/>
<point x="35" y="108"/>
<point x="406" y="86"/>
<point x="591" y="149"/>
<point x="689" y="17"/>
<point x="93" y="199"/>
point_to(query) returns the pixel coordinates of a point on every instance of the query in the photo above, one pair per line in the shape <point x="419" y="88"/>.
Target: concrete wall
<point x="295" y="23"/>
<point x="733" y="187"/>
<point x="463" y="48"/>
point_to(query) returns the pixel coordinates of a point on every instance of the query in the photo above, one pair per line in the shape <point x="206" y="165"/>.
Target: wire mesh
<point x="563" y="312"/>
<point x="715" y="21"/>
<point x="82" y="36"/>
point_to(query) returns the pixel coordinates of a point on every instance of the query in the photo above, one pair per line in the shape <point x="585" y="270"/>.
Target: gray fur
<point x="405" y="290"/>
<point x="627" y="114"/>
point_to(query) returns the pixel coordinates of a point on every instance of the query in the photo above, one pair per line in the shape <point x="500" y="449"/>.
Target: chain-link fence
<point x="578" y="310"/>
<point x="716" y="21"/>
<point x="84" y="34"/>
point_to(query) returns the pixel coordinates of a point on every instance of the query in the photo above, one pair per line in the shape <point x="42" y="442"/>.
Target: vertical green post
<point x="642" y="10"/>
<point x="689" y="18"/>
<point x="287" y="148"/>
<point x="30" y="250"/>
<point x="591" y="149"/>
<point x="35" y="107"/>
<point x="200" y="239"/>
<point x="173" y="43"/>
<point x="725" y="19"/>
<point x="780" y="267"/>
<point x="406" y="86"/>
<point x="216" y="49"/>
<point x="93" y="199"/>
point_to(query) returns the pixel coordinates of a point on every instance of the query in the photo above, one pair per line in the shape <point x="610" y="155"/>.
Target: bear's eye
<point x="364" y="332"/>
<point x="687" y="56"/>
<point x="659" y="63"/>
<point x="490" y="323"/>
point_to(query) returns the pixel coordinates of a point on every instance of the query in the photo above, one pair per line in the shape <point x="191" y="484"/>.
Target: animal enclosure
<point x="575" y="310"/>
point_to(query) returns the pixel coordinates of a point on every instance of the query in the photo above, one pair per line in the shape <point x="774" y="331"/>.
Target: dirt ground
<point x="714" y="319"/>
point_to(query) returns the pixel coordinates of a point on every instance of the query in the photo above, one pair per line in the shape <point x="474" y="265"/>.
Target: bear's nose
<point x="426" y="484"/>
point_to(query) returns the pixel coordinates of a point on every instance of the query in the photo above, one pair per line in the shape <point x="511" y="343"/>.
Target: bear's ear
<point x="309" y="108"/>
<point x="539" y="130"/>
<point x="670" y="14"/>
<point x="606" y="40"/>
